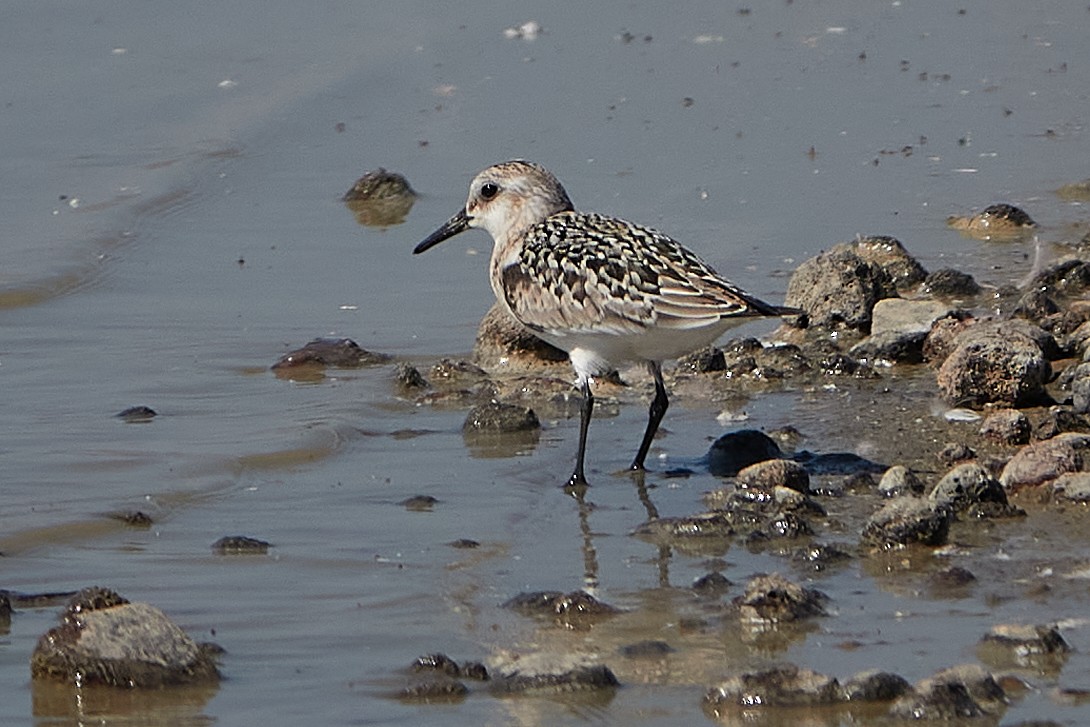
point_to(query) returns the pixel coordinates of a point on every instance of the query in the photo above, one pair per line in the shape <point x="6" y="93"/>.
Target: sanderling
<point x="605" y="290"/>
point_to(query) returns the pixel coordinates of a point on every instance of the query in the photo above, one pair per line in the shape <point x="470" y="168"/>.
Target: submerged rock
<point x="577" y="609"/>
<point x="996" y="222"/>
<point x="1017" y="645"/>
<point x="782" y="686"/>
<point x="240" y="545"/>
<point x="960" y="692"/>
<point x="341" y="353"/>
<point x="380" y="198"/>
<point x="105" y="639"/>
<point x="137" y="414"/>
<point x="735" y="451"/>
<point x="497" y="418"/>
<point x="774" y="599"/>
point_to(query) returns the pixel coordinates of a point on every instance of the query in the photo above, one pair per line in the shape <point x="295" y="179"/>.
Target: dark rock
<point x="953" y="452"/>
<point x="1058" y="420"/>
<point x="419" y="503"/>
<point x="1007" y="426"/>
<point x="971" y="490"/>
<point x="774" y="599"/>
<point x="505" y="345"/>
<point x="1035" y="305"/>
<point x="952" y="577"/>
<point x="1069" y="277"/>
<point x="996" y="222"/>
<point x="577" y="609"/>
<point x="137" y="414"/>
<point x="105" y="639"/>
<point x="239" y="545"/>
<point x="443" y="691"/>
<point x="994" y="364"/>
<point x="875" y="686"/>
<point x="735" y="451"/>
<point x="711" y="584"/>
<point x="782" y="686"/>
<point x="838" y="289"/>
<point x="950" y="283"/>
<point x="704" y="532"/>
<point x="775" y="473"/>
<point x="440" y="663"/>
<point x="464" y="544"/>
<point x="706" y="360"/>
<point x="961" y="692"/>
<point x="1040" y="462"/>
<point x="380" y="199"/>
<point x="899" y="480"/>
<point x="896" y="346"/>
<point x="579" y="679"/>
<point x="889" y="254"/>
<point x="821" y="556"/>
<point x="133" y="518"/>
<point x="906" y="520"/>
<point x="341" y="353"/>
<point x="647" y="650"/>
<point x="497" y="418"/>
<point x="409" y="377"/>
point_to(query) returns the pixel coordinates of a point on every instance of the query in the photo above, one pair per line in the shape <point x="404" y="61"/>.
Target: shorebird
<point x="605" y="290"/>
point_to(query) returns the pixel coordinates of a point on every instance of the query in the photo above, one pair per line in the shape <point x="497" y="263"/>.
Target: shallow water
<point x="173" y="225"/>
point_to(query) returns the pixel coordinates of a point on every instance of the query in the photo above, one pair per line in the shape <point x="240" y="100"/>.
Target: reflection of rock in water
<point x="380" y="199"/>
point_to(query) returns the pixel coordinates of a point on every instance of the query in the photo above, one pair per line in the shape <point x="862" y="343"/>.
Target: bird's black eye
<point x="489" y="190"/>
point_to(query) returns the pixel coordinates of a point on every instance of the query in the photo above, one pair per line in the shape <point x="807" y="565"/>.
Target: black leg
<point x="654" y="415"/>
<point x="578" y="479"/>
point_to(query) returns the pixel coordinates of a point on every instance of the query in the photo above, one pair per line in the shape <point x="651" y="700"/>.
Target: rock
<point x="773" y="599"/>
<point x="239" y="545"/>
<point x="890" y="255"/>
<point x="1008" y="646"/>
<point x="875" y="686"/>
<point x="960" y="692"/>
<point x="651" y="649"/>
<point x="775" y="473"/>
<point x="1006" y="426"/>
<point x="1040" y="462"/>
<point x="341" y="353"/>
<point x="942" y="339"/>
<point x="1070" y="277"/>
<point x="899" y="480"/>
<point x="706" y="360"/>
<point x="949" y="283"/>
<point x="705" y="532"/>
<point x="898" y="315"/>
<point x="419" y="503"/>
<point x="971" y="490"/>
<point x="444" y="691"/>
<point x="904" y="521"/>
<point x="380" y="199"/>
<point x="578" y="609"/>
<point x="105" y="639"/>
<point x="838" y="289"/>
<point x="1003" y="222"/>
<point x="782" y="686"/>
<point x="1080" y="389"/>
<point x="504" y="344"/>
<point x="442" y="664"/>
<point x="820" y="556"/>
<point x="1075" y="191"/>
<point x="952" y="577"/>
<point x="584" y="678"/>
<point x="409" y="378"/>
<point x="137" y="414"/>
<point x="735" y="451"/>
<point x="994" y="363"/>
<point x="497" y="418"/>
<point x="1058" y="420"/>
<point x="133" y="518"/>
<point x="1072" y="487"/>
<point x="711" y="584"/>
<point x="892" y="346"/>
<point x="953" y="452"/>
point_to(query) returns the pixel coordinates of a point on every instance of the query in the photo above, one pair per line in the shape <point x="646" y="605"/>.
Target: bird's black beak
<point x="456" y="224"/>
